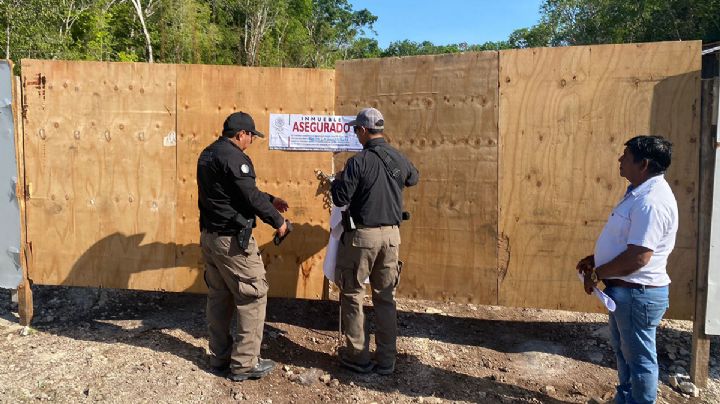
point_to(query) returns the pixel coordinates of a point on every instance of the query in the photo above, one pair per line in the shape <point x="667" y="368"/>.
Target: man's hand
<point x="283" y="229"/>
<point x="280" y="204"/>
<point x="585" y="265"/>
<point x="335" y="176"/>
<point x="588" y="284"/>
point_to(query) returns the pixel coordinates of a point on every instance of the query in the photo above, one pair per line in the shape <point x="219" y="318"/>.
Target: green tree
<point x="581" y="22"/>
<point x="36" y="29"/>
<point x="184" y="32"/>
<point x="333" y="26"/>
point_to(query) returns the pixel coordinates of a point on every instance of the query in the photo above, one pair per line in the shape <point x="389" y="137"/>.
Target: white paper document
<point x="336" y="231"/>
<point x="605" y="299"/>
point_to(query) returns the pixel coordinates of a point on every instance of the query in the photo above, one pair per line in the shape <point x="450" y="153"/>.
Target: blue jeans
<point x="632" y="327"/>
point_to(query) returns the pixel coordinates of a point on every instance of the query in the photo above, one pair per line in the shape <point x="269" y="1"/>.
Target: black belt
<point x="625" y="284"/>
<point x="222" y="232"/>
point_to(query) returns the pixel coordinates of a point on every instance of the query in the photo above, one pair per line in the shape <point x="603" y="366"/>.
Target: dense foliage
<point x="308" y="33"/>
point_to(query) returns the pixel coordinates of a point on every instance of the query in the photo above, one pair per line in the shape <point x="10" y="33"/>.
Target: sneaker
<point x="263" y="367"/>
<point x="356" y="367"/>
<point x="385" y="370"/>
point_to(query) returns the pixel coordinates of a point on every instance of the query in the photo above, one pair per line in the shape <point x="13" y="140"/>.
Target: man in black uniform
<point x="372" y="184"/>
<point x="229" y="202"/>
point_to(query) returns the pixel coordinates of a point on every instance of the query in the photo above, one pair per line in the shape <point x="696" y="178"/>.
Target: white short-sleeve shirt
<point x="647" y="216"/>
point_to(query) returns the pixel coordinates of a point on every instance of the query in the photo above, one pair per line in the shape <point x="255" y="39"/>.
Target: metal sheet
<point x="10" y="271"/>
<point x="712" y="319"/>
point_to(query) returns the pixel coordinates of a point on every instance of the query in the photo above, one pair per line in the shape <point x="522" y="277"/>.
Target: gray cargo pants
<point x="236" y="283"/>
<point x="369" y="252"/>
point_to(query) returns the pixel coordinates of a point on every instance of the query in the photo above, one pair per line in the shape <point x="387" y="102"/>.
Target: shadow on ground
<point x="148" y="318"/>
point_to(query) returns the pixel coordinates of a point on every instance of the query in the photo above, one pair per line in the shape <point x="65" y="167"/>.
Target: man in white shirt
<point x="631" y="258"/>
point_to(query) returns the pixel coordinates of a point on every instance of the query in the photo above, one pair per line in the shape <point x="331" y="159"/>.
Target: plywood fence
<point x="564" y="116"/>
<point x="442" y="111"/>
<point x="517" y="152"/>
<point x="111" y="152"/>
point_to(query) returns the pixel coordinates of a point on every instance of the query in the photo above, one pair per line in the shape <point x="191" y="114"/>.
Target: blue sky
<point x="444" y="22"/>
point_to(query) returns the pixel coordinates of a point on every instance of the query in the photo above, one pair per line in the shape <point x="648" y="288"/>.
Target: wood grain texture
<point x="441" y="112"/>
<point x="564" y="116"/>
<point x="114" y="196"/>
<point x="101" y="207"/>
<point x="24" y="290"/>
<point x="206" y="96"/>
<point x="517" y="153"/>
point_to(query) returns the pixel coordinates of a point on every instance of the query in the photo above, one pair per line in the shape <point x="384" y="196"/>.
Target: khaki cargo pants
<point x="369" y="252"/>
<point x="236" y="283"/>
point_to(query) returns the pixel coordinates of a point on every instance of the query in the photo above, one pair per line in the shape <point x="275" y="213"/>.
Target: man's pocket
<point x="654" y="313"/>
<point x="366" y="238"/>
<point x="253" y="287"/>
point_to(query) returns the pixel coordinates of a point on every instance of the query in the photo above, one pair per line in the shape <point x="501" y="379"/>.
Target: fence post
<point x="24" y="291"/>
<point x="708" y="145"/>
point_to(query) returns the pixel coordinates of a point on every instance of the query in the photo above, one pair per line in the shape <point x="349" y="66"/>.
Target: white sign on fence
<point x="312" y="133"/>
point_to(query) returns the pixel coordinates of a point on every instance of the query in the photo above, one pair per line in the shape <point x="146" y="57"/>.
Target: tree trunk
<point x="7" y="42"/>
<point x="138" y="9"/>
<point x="257" y="21"/>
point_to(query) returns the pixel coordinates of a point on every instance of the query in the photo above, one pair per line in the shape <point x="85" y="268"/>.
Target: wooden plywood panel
<point x="441" y="111"/>
<point x="206" y="96"/>
<point x="564" y="116"/>
<point x="101" y="207"/>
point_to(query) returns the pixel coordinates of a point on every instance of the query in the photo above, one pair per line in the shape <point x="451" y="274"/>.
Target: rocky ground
<point x="133" y="347"/>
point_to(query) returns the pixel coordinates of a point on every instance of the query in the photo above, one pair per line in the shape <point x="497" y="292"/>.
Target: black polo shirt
<point x="226" y="187"/>
<point x="375" y="198"/>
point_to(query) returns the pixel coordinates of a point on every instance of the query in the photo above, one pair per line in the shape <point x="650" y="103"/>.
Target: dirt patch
<point x="127" y="346"/>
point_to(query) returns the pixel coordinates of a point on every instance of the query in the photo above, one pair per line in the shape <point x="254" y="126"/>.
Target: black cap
<point x="238" y="121"/>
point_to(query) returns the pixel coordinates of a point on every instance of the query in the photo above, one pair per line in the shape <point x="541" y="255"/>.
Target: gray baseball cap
<point x="370" y="118"/>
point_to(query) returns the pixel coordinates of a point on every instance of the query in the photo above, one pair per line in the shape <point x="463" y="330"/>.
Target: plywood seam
<point x="177" y="164"/>
<point x="497" y="176"/>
